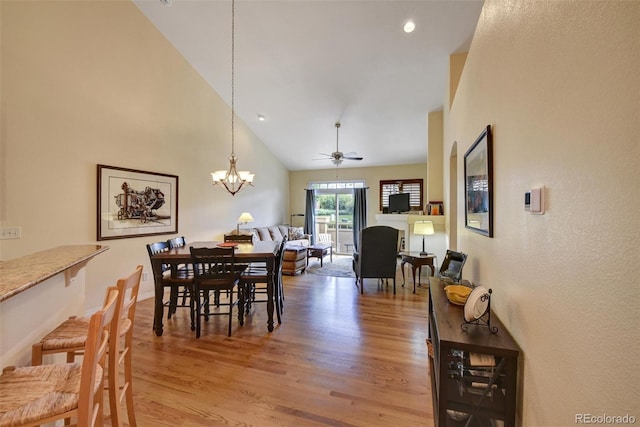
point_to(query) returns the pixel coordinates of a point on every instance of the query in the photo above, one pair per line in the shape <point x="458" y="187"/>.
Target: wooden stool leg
<point x="36" y="354"/>
<point x="128" y="378"/>
<point x="113" y="380"/>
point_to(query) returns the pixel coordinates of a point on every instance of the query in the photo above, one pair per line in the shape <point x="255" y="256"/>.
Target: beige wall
<point x="558" y="82"/>
<point x="299" y="180"/>
<point x="456" y="65"/>
<point x="435" y="190"/>
<point x="93" y="82"/>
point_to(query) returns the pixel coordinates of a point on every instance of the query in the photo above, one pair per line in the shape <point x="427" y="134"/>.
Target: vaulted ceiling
<point x="305" y="64"/>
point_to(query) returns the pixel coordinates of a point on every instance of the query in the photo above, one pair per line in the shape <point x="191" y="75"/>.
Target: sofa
<point x="295" y="255"/>
<point x="295" y="235"/>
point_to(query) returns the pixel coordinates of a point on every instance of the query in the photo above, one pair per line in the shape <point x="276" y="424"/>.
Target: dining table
<point x="259" y="251"/>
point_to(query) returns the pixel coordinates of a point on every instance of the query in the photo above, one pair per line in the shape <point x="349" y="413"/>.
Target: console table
<point x="473" y="372"/>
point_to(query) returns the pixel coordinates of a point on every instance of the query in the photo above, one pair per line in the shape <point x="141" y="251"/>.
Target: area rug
<point x="340" y="267"/>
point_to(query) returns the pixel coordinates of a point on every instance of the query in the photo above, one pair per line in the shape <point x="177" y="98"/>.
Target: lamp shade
<point x="423" y="228"/>
<point x="245" y="217"/>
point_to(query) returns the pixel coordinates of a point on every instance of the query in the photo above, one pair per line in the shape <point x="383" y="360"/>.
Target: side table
<point x="416" y="260"/>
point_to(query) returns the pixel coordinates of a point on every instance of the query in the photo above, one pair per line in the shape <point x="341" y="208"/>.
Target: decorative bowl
<point x="457" y="294"/>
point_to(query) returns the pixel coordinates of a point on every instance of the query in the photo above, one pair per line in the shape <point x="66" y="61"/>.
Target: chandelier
<point x="232" y="180"/>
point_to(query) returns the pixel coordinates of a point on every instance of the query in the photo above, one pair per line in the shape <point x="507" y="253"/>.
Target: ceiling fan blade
<point x="352" y="155"/>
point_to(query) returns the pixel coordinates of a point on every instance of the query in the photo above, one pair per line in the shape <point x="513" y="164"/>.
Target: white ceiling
<point x="305" y="64"/>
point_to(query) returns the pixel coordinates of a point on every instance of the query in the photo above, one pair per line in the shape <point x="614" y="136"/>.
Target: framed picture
<point x="478" y="178"/>
<point x="134" y="203"/>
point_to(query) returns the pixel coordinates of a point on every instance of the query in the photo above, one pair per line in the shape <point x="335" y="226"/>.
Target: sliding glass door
<point x="334" y="214"/>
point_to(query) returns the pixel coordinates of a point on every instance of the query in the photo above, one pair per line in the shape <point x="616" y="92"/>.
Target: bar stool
<point x="35" y="395"/>
<point x="70" y="337"/>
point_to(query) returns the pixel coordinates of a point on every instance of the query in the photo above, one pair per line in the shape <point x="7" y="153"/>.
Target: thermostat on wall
<point x="534" y="201"/>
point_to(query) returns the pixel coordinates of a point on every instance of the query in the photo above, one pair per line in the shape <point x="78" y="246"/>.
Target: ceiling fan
<point x="338" y="156"/>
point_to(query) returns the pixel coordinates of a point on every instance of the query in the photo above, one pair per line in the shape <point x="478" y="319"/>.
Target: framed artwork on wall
<point x="478" y="181"/>
<point x="135" y="203"/>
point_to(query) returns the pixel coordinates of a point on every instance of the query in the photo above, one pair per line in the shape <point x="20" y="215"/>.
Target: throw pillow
<point x="276" y="235"/>
<point x="264" y="234"/>
<point x="296" y="233"/>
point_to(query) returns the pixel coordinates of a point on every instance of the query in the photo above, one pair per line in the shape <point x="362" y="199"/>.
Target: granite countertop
<point x="22" y="273"/>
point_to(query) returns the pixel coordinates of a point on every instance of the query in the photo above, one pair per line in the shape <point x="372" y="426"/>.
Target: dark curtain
<point x="310" y="215"/>
<point x="359" y="213"/>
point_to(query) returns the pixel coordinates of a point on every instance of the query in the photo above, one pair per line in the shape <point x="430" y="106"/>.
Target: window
<point x="335" y="185"/>
<point x="411" y="186"/>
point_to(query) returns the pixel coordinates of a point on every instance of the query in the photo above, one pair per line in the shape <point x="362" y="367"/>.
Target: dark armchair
<point x="377" y="254"/>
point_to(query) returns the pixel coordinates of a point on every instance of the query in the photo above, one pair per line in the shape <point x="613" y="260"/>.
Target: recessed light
<point x="409" y="26"/>
<point x="261" y="117"/>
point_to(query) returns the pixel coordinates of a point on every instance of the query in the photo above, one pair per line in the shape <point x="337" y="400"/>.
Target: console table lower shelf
<point x="474" y="372"/>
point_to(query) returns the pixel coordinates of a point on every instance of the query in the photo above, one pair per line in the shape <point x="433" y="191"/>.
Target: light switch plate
<point x="537" y="201"/>
<point x="10" y="233"/>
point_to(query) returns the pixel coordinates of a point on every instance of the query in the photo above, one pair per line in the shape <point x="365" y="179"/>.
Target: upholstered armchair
<point x="377" y="254"/>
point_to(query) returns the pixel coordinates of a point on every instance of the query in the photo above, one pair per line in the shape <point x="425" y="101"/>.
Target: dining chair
<point x="35" y="395"/>
<point x="256" y="275"/>
<point x="185" y="269"/>
<point x="215" y="270"/>
<point x="178" y="281"/>
<point x="70" y="337"/>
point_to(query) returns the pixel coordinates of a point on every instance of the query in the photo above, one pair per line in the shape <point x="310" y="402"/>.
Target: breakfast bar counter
<point x="37" y="292"/>
<point x="22" y="273"/>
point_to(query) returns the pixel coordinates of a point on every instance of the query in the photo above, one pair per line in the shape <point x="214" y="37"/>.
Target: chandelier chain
<point x="232" y="180"/>
<point x="233" y="62"/>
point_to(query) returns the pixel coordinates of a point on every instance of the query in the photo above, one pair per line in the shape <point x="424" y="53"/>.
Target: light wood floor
<point x="338" y="359"/>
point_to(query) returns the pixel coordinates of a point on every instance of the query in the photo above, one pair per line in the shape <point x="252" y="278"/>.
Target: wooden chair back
<point x="324" y="238"/>
<point x="177" y="242"/>
<point x="212" y="264"/>
<point x="156" y="248"/>
<point x="91" y="401"/>
<point x="120" y="347"/>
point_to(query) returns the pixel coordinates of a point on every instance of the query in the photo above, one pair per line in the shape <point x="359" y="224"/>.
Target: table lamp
<point x="423" y="228"/>
<point x="245" y="217"/>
